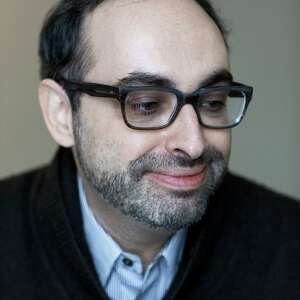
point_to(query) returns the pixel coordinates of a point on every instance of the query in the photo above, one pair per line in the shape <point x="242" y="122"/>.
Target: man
<point x="138" y="203"/>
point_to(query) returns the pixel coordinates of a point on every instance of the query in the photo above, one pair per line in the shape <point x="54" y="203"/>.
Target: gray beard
<point x="147" y="202"/>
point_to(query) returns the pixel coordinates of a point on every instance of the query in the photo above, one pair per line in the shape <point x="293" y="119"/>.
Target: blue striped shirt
<point x="121" y="273"/>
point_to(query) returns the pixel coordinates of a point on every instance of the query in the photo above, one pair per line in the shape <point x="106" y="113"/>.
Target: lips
<point x="179" y="179"/>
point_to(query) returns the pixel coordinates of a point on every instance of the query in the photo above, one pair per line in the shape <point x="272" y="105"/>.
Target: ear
<point x="57" y="112"/>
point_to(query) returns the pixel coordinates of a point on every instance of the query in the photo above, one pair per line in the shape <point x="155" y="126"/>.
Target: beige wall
<point x="24" y="142"/>
<point x="265" y="45"/>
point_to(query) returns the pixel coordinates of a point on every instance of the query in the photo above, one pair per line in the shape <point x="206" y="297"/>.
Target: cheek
<point x="220" y="139"/>
<point x="133" y="143"/>
<point x="108" y="138"/>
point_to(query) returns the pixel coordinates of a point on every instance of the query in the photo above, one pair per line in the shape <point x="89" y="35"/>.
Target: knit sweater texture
<point x="247" y="245"/>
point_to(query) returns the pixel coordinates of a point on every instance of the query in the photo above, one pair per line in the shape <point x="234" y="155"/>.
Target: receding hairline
<point x="65" y="50"/>
<point x="86" y="34"/>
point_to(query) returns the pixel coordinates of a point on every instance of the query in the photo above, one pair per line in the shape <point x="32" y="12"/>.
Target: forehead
<point x="172" y="38"/>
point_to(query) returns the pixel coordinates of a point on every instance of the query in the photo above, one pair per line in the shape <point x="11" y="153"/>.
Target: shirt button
<point x="127" y="262"/>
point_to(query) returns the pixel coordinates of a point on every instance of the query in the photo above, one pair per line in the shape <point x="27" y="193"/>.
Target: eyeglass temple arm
<point x="92" y="89"/>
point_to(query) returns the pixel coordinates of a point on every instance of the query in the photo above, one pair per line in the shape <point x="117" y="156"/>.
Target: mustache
<point x="154" y="161"/>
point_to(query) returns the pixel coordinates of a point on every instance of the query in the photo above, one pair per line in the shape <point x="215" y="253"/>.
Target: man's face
<point x="161" y="178"/>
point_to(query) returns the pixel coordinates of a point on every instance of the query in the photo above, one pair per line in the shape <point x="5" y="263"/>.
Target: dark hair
<point x="63" y="50"/>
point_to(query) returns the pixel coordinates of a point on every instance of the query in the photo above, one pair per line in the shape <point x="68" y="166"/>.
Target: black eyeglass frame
<point x="120" y="93"/>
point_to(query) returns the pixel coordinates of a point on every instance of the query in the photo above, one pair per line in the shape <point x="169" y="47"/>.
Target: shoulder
<point x="17" y="186"/>
<point x="15" y="194"/>
<point x="261" y="208"/>
<point x="259" y="239"/>
<point x="255" y="196"/>
<point x="264" y="221"/>
<point x="19" y="252"/>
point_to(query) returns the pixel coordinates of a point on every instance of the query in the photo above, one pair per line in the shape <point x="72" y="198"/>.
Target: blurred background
<point x="265" y="43"/>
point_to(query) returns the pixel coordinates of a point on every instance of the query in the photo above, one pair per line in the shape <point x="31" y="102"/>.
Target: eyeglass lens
<point x="153" y="108"/>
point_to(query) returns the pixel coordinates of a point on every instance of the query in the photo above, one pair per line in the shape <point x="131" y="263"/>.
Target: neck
<point x="130" y="235"/>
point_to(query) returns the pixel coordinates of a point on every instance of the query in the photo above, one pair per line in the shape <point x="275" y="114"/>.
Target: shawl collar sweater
<point x="245" y="247"/>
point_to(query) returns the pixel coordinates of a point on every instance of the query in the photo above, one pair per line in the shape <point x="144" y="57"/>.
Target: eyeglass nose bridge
<point x="183" y="100"/>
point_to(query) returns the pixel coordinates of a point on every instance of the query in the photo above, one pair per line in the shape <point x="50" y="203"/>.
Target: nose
<point x="185" y="135"/>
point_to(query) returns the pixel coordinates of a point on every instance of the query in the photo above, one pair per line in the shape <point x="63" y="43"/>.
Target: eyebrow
<point x="145" y="78"/>
<point x="152" y="79"/>
<point x="222" y="75"/>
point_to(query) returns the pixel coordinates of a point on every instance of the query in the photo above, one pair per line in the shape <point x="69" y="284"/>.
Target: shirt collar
<point x="105" y="251"/>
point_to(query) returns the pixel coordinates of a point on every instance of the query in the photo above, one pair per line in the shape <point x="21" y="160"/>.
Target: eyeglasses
<point x="151" y="107"/>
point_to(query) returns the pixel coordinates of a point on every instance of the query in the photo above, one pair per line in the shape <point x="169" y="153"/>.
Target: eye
<point x="214" y="102"/>
<point x="144" y="105"/>
<point x="213" y="105"/>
